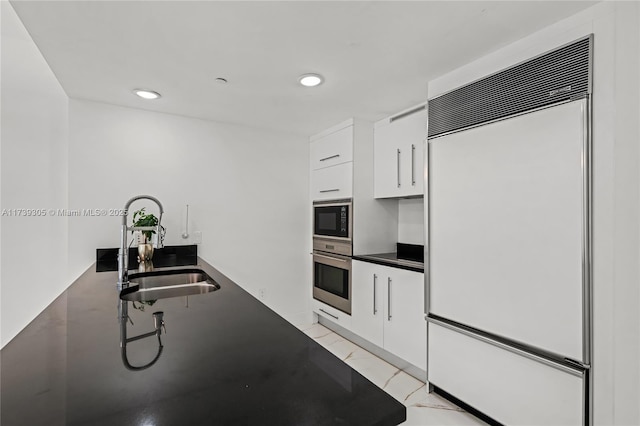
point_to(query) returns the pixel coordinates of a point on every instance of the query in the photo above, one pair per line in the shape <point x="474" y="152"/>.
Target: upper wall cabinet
<point x="333" y="148"/>
<point x="332" y="182"/>
<point x="399" y="154"/>
<point x="331" y="162"/>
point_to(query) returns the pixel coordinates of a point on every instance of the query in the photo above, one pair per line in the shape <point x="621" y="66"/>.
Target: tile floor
<point x="423" y="409"/>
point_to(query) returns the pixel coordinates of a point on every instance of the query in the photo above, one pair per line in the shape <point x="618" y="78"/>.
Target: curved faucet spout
<point x="141" y="197"/>
<point x="123" y="254"/>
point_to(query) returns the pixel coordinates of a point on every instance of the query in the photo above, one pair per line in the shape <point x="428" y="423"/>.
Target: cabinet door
<point x="405" y="329"/>
<point x="335" y="148"/>
<point x="386" y="162"/>
<point x="367" y="301"/>
<point x="398" y="155"/>
<point x="332" y="182"/>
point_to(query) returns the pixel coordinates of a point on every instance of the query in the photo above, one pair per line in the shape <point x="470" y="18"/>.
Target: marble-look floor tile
<point x="343" y="349"/>
<point x="423" y="416"/>
<point x="402" y="386"/>
<point x="423" y="409"/>
<point x="421" y="398"/>
<point x="330" y="339"/>
<point x="316" y="330"/>
<point x="301" y="324"/>
<point x="379" y="372"/>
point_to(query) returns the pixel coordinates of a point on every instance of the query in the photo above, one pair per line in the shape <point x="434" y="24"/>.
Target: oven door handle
<point x="336" y="258"/>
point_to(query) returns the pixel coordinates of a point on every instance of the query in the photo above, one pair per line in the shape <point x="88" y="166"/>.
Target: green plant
<point x="141" y="218"/>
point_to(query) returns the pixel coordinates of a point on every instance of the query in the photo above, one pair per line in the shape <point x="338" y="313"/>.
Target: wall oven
<point x="332" y="250"/>
<point x="332" y="280"/>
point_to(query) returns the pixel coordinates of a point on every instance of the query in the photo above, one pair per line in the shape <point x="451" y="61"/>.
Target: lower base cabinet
<point x="331" y="313"/>
<point x="387" y="309"/>
<point x="508" y="387"/>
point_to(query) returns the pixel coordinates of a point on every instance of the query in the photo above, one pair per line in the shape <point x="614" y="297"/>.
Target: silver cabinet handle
<point x="325" y="312"/>
<point x="375" y="278"/>
<point x="330" y="190"/>
<point x="398" y="168"/>
<point x="413" y="175"/>
<point x="389" y="299"/>
<point x="330" y="157"/>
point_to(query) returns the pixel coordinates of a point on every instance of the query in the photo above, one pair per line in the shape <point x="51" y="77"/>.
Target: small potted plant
<point x="142" y="218"/>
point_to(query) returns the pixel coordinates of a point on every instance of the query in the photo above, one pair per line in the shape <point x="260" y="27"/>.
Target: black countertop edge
<point x="391" y="259"/>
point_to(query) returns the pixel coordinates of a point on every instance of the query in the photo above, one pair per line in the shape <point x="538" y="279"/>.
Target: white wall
<point x="411" y="221"/>
<point x="616" y="190"/>
<point x="246" y="190"/>
<point x="34" y="132"/>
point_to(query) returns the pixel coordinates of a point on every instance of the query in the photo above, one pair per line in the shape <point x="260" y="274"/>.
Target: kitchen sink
<point x="163" y="284"/>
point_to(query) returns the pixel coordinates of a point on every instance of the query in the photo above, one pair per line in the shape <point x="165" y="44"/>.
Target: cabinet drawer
<point x="332" y="182"/>
<point x="332" y="314"/>
<point x="508" y="387"/>
<point x="335" y="148"/>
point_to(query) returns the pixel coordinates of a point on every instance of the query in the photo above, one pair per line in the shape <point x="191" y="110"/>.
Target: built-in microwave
<point x="332" y="226"/>
<point x="332" y="280"/>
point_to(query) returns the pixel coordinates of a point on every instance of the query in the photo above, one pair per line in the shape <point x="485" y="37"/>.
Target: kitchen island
<point x="226" y="359"/>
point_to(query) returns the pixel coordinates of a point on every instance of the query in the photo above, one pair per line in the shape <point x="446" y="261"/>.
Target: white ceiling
<point x="376" y="56"/>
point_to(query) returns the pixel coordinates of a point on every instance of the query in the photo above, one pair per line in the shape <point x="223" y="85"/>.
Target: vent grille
<point x="553" y="77"/>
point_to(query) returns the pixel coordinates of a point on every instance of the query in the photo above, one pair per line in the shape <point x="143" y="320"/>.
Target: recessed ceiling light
<point x="146" y="94"/>
<point x="310" y="80"/>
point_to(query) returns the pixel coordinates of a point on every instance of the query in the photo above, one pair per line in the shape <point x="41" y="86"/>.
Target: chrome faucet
<point x="123" y="254"/>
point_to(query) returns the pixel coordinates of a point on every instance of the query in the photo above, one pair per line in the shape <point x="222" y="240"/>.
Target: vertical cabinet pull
<point x="375" y="278"/>
<point x="389" y="299"/>
<point x="398" y="154"/>
<point x="413" y="155"/>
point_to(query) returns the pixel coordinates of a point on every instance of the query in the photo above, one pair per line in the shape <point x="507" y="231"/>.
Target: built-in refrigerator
<point x="508" y="247"/>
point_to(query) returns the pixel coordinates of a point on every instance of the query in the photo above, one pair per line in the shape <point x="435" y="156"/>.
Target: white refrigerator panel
<point x="506" y="220"/>
<point x="510" y="388"/>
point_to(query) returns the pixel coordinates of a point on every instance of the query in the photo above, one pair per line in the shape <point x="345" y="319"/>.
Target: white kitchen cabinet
<point x="336" y="147"/>
<point x="387" y="309"/>
<point x="509" y="387"/>
<point x="399" y="154"/>
<point x="331" y="313"/>
<point x="366" y="303"/>
<point x="340" y="167"/>
<point x="332" y="182"/>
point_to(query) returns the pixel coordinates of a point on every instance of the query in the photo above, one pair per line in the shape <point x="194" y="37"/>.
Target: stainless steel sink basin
<point x="162" y="284"/>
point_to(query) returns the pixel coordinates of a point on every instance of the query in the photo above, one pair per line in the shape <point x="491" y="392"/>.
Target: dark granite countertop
<point x="406" y="256"/>
<point x="227" y="359"/>
<point x="391" y="259"/>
